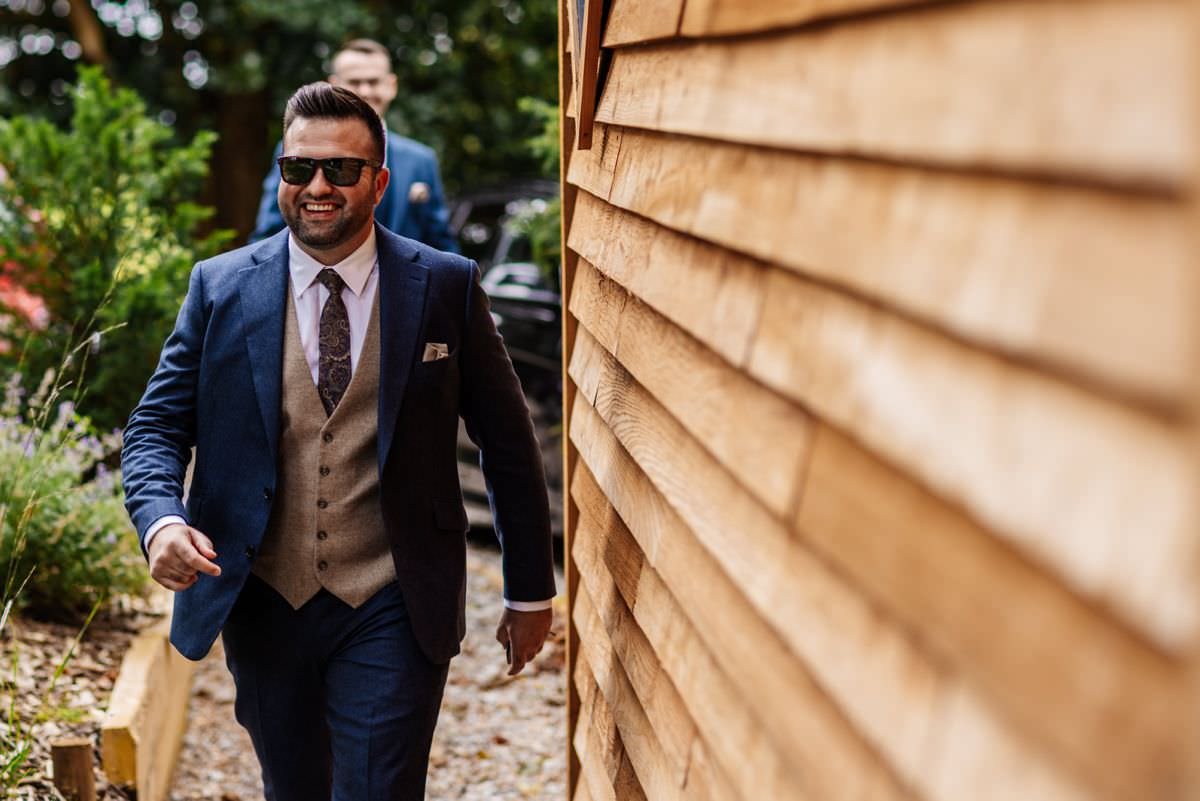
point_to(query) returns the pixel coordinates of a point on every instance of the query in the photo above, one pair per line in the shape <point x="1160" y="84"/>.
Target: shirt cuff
<point x="161" y="523"/>
<point x="528" y="606"/>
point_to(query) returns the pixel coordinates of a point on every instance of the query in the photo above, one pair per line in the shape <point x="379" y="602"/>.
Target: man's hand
<point x="523" y="634"/>
<point x="179" y="553"/>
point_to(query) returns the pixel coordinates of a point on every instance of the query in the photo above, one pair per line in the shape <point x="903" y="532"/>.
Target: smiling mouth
<point x="319" y="207"/>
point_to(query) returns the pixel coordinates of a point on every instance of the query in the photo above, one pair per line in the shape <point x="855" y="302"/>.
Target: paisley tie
<point x="333" y="369"/>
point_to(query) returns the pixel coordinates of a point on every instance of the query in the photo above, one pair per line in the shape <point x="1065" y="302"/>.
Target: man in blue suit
<point x="319" y="376"/>
<point x="413" y="204"/>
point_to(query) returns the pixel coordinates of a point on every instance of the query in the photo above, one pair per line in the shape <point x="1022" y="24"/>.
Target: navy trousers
<point x="340" y="703"/>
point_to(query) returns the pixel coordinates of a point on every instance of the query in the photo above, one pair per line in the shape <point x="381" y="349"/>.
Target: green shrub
<point x="98" y="221"/>
<point x="63" y="529"/>
<point x="541" y="223"/>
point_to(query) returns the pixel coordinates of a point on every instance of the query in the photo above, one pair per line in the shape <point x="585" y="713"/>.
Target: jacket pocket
<point x="449" y="515"/>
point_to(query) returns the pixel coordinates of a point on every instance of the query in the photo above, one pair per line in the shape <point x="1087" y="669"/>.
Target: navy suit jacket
<point x="217" y="389"/>
<point x="409" y="163"/>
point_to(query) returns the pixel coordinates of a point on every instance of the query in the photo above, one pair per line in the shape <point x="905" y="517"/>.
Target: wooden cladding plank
<point x="976" y="429"/>
<point x="595" y="167"/>
<point x="627" y="669"/>
<point x="1066" y="477"/>
<point x="785" y="762"/>
<point x="718" y="303"/>
<point x="1098" y="282"/>
<point x="631" y="21"/>
<point x="723" y="17"/>
<point x="759" y="436"/>
<point x="661" y="767"/>
<point x="1100" y="90"/>
<point x="758" y="769"/>
<point x="687" y="583"/>
<point x="937" y="733"/>
<point x="605" y="766"/>
<point x="1072" y="677"/>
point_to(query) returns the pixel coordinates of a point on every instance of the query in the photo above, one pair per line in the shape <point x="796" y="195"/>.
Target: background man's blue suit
<point x="217" y="388"/>
<point x="409" y="163"/>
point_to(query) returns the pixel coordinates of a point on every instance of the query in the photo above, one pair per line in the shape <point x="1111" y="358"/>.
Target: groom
<point x="320" y="375"/>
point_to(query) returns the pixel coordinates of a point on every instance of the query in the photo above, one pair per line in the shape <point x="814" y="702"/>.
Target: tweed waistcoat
<point x="326" y="527"/>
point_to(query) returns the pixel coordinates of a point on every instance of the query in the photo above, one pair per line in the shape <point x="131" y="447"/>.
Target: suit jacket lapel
<point x="263" y="290"/>
<point x="402" y="286"/>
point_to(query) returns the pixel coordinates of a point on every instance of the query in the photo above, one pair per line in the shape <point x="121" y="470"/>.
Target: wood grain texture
<point x="759" y="771"/>
<point x="1074" y="679"/>
<point x="595" y="167"/>
<point x="1097" y="283"/>
<point x="657" y="746"/>
<point x="759" y="436"/>
<point x="903" y="703"/>
<point x="1063" y="475"/>
<point x="718" y="698"/>
<point x="631" y="21"/>
<point x="949" y="84"/>
<point x="719" y="302"/>
<point x="605" y="765"/>
<point x="723" y="17"/>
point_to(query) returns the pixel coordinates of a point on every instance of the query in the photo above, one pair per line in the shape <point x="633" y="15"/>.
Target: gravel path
<point x="497" y="738"/>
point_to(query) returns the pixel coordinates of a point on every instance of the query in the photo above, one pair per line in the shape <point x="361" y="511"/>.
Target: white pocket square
<point x="435" y="351"/>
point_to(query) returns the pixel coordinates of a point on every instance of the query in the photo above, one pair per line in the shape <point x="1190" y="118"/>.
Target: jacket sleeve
<point x="269" y="220"/>
<point x="497" y="419"/>
<point x="161" y="431"/>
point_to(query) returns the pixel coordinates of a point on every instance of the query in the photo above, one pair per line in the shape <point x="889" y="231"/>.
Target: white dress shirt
<point x="360" y="272"/>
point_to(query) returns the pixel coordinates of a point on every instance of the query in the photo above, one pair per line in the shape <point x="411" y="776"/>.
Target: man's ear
<point x="382" y="176"/>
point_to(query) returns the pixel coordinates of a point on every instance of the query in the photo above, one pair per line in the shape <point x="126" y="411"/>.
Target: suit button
<point x="249" y="551"/>
<point x="322" y="565"/>
<point x="321" y="504"/>
<point x="324" y="470"/>
<point x="266" y="493"/>
<point x="322" y="535"/>
<point x="327" y="437"/>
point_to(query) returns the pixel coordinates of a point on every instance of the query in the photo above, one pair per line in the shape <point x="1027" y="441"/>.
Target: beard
<point x="321" y="234"/>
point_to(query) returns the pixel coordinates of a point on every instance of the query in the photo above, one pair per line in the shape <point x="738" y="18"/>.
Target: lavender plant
<point x="64" y="535"/>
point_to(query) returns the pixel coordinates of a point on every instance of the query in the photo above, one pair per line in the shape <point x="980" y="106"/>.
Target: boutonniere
<point x="418" y="192"/>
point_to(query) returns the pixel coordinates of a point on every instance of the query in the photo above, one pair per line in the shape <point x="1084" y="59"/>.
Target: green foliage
<point x="98" y="221"/>
<point x="64" y="534"/>
<point x="462" y="65"/>
<point x="541" y="223"/>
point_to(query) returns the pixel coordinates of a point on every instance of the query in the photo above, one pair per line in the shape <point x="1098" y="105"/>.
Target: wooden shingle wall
<point x="881" y="351"/>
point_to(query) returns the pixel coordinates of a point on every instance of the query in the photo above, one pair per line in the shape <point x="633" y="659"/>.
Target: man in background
<point x="413" y="205"/>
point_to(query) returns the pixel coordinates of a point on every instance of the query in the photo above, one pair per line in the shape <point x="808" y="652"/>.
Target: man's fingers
<point x="203" y="544"/>
<point x="187" y="556"/>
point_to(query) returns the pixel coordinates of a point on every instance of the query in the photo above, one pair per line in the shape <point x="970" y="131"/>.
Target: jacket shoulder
<point x="224" y="266"/>
<point x="402" y="145"/>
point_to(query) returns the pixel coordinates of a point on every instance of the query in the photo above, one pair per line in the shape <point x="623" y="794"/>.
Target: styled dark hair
<point x="368" y="47"/>
<point x="323" y="101"/>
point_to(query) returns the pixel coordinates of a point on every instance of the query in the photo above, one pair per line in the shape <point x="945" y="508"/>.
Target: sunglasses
<point x="340" y="171"/>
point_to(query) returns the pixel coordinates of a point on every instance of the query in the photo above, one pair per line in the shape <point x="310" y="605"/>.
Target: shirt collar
<point x="355" y="269"/>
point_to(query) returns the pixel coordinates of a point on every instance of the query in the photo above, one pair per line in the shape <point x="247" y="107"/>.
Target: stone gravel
<point x="497" y="737"/>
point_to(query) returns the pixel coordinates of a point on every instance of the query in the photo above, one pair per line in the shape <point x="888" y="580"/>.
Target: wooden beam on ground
<point x="71" y="758"/>
<point x="948" y="85"/>
<point x="147" y="715"/>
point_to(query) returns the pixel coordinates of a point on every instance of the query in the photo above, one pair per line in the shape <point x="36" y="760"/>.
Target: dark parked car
<point x="527" y="307"/>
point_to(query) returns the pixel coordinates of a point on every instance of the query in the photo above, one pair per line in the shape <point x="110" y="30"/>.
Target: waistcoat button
<point x="324" y="470"/>
<point x="327" y="437"/>
<point x="321" y="504"/>
<point x="322" y="535"/>
<point x="322" y="565"/>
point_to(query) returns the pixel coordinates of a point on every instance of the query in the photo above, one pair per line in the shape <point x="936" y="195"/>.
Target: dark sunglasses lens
<point x="296" y="171"/>
<point x="342" y="172"/>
